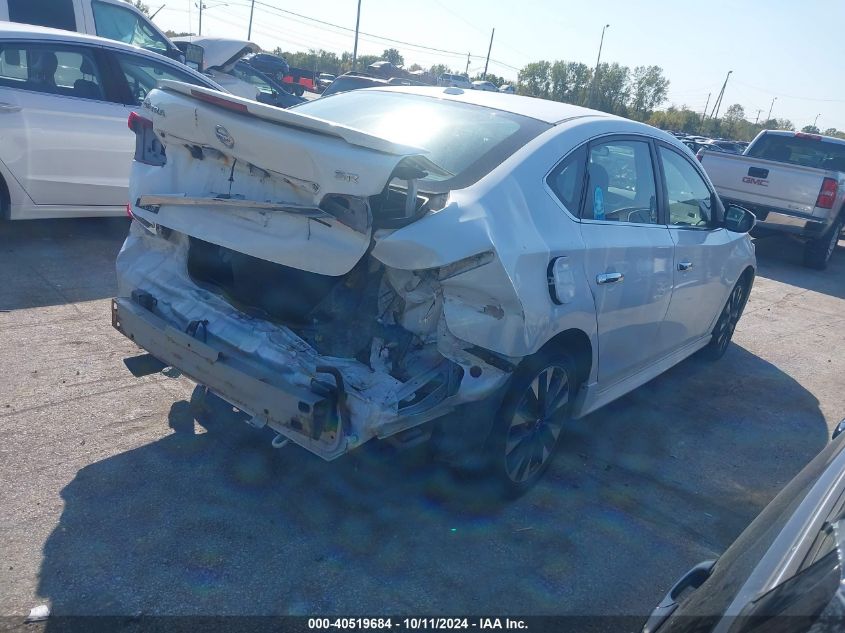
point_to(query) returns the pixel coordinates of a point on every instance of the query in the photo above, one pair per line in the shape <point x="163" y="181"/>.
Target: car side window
<point x="567" y="179"/>
<point x="58" y="70"/>
<point x="142" y="74"/>
<point x="689" y="198"/>
<point x="124" y="25"/>
<point x="57" y="14"/>
<point x="620" y="183"/>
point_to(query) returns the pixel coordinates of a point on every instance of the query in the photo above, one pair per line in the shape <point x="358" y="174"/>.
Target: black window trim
<point x="716" y="203"/>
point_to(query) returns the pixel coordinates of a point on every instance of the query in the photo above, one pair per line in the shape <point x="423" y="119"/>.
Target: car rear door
<point x="629" y="254"/>
<point x="60" y="137"/>
<point x="702" y="278"/>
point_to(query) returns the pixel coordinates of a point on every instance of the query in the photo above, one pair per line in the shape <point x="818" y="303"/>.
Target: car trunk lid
<point x="274" y="184"/>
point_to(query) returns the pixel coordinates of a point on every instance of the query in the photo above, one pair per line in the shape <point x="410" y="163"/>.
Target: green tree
<point x="647" y="91"/>
<point x="611" y="89"/>
<point x="143" y="8"/>
<point x="535" y="79"/>
<point x="733" y="115"/>
<point x="438" y="69"/>
<point x="570" y="82"/>
<point x="392" y="55"/>
<point x="810" y="129"/>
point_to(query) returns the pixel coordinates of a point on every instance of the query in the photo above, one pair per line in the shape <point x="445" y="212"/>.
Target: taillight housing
<point x="148" y="149"/>
<point x="827" y="194"/>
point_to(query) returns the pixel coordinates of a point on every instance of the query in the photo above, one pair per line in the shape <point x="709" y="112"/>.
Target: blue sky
<point x="790" y="50"/>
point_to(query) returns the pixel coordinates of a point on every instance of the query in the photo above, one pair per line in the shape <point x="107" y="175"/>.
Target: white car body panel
<point x="78" y="158"/>
<point x="473" y="273"/>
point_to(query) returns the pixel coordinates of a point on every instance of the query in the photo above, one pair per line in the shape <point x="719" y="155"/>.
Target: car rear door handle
<point x="609" y="278"/>
<point x="684" y="266"/>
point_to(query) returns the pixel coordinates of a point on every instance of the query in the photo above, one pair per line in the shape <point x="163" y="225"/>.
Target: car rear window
<point x="799" y="150"/>
<point x="57" y="14"/>
<point x="466" y="141"/>
<point x="344" y="84"/>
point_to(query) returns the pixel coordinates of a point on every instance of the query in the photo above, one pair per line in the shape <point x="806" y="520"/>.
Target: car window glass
<point x="690" y="200"/>
<point x="124" y="25"/>
<point x="620" y="183"/>
<point x="59" y="70"/>
<point x="57" y="14"/>
<point x="245" y="73"/>
<point x="142" y="74"/>
<point x="567" y="180"/>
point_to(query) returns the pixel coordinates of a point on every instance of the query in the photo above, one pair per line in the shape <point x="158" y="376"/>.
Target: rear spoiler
<point x="291" y="118"/>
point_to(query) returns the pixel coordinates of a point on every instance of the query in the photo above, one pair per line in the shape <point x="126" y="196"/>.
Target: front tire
<point x="536" y="408"/>
<point x="723" y="331"/>
<point x="817" y="253"/>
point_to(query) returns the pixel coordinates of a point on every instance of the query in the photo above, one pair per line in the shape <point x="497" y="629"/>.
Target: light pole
<point x="718" y="105"/>
<point x="598" y="60"/>
<point x="355" y="49"/>
<point x="816" y="120"/>
<point x="202" y="6"/>
<point x="769" y="118"/>
<point x="251" y="11"/>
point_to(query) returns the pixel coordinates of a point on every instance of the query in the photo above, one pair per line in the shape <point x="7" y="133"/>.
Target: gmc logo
<point x="760" y="182"/>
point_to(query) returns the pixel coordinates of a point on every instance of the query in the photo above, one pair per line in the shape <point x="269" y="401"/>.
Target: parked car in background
<point x="325" y="80"/>
<point x="489" y="86"/>
<point x="784" y="573"/>
<point x="273" y="66"/>
<point x="730" y="147"/>
<point x="299" y="80"/>
<point x="454" y="81"/>
<point x="507" y="89"/>
<point x="64" y="101"/>
<point x="113" y="19"/>
<point x="270" y="91"/>
<point x="793" y="182"/>
<point x="357" y="279"/>
<point x="220" y="55"/>
<point x="356" y="81"/>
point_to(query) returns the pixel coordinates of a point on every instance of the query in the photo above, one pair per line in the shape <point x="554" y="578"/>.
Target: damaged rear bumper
<point x="300" y="414"/>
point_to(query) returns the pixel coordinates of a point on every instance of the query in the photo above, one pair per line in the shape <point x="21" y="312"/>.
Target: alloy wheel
<point x="537" y="422"/>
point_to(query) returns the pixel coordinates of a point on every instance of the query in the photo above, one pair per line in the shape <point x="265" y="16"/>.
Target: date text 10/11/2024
<point x="413" y="624"/>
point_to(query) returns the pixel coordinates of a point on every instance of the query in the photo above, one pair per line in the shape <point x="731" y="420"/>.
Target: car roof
<point x="541" y="109"/>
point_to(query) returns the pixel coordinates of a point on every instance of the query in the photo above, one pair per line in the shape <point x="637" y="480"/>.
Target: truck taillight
<point x="827" y="194"/>
<point x="148" y="149"/>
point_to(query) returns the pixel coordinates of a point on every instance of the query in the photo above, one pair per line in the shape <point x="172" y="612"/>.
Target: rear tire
<point x="817" y="252"/>
<point x="526" y="432"/>
<point x="723" y="331"/>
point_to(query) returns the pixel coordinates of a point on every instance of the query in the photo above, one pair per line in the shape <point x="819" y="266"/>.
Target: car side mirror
<point x="739" y="219"/>
<point x="838" y="430"/>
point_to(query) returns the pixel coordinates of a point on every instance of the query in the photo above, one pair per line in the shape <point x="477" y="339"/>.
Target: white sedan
<point x="413" y="262"/>
<point x="65" y="149"/>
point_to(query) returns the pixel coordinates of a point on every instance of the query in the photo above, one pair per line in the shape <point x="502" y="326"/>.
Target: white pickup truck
<point x="793" y="182"/>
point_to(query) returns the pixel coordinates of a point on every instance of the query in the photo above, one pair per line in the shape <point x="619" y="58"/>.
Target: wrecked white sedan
<point x="422" y="263"/>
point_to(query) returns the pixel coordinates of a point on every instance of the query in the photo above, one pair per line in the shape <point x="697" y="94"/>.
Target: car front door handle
<point x="9" y="107"/>
<point x="609" y="278"/>
<point x="683" y="266"/>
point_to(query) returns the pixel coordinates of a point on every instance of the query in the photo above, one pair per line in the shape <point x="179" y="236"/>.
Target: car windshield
<point x="344" y="84"/>
<point x="122" y="24"/>
<point x="800" y="150"/>
<point x="466" y="141"/>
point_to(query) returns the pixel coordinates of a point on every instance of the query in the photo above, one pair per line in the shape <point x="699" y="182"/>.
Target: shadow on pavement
<point x="64" y="261"/>
<point x="211" y="520"/>
<point x="779" y="257"/>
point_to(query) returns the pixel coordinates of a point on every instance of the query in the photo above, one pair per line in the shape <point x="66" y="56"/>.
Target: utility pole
<point x="251" y="10"/>
<point x="466" y="72"/>
<point x="718" y="104"/>
<point x="769" y="118"/>
<point x="201" y="4"/>
<point x="489" y="48"/>
<point x="355" y="49"/>
<point x="598" y="60"/>
<point x="757" y="118"/>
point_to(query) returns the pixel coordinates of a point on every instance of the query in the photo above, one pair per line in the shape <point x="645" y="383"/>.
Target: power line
<point x="785" y="96"/>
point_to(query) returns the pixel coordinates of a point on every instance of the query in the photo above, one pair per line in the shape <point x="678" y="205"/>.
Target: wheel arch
<point x="577" y="343"/>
